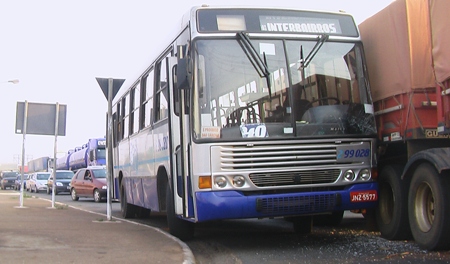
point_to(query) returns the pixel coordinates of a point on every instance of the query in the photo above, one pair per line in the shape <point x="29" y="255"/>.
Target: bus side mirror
<point x="182" y="74"/>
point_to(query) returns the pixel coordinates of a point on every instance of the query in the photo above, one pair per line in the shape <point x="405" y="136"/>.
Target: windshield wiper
<point x="320" y="40"/>
<point x="260" y="64"/>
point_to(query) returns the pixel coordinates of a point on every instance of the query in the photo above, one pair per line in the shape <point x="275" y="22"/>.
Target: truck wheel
<point x="180" y="228"/>
<point x="429" y="208"/>
<point x="127" y="210"/>
<point x="392" y="211"/>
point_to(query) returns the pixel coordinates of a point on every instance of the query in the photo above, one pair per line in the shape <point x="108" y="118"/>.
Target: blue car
<point x="18" y="182"/>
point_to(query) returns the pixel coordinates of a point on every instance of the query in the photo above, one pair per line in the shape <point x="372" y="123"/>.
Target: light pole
<point x="22" y="168"/>
<point x="15" y="81"/>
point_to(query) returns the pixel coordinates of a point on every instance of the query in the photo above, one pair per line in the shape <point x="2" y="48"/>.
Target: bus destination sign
<point x="300" y="25"/>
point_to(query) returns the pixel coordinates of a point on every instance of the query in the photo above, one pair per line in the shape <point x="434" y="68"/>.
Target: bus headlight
<point x="238" y="181"/>
<point x="349" y="175"/>
<point x="220" y="181"/>
<point x="364" y="174"/>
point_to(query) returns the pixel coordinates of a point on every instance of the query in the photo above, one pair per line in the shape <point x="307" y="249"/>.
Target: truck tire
<point x="392" y="211"/>
<point x="127" y="210"/>
<point x="429" y="208"/>
<point x="180" y="228"/>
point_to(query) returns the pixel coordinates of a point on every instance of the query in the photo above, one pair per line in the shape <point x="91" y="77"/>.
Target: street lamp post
<point x="22" y="169"/>
<point x="15" y="81"/>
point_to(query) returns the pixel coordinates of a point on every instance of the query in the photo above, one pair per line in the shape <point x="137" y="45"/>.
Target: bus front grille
<point x="297" y="204"/>
<point x="267" y="156"/>
<point x="294" y="177"/>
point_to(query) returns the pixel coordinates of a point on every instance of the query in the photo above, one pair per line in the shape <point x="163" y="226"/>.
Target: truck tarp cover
<point x="407" y="46"/>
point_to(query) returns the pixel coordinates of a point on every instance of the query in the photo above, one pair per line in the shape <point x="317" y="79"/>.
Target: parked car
<point x="62" y="182"/>
<point x="28" y="183"/>
<point x="38" y="181"/>
<point x="18" y="182"/>
<point x="8" y="179"/>
<point x="89" y="182"/>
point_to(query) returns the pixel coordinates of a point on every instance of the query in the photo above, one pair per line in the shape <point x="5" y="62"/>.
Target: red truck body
<point x="408" y="57"/>
<point x="407" y="48"/>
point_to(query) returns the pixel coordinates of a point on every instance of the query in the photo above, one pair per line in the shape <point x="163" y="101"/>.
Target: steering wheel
<point x="324" y="99"/>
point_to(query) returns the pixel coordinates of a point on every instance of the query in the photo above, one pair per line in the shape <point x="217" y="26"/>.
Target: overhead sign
<point x="40" y="118"/>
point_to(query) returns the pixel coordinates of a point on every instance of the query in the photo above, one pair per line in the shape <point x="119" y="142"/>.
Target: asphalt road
<point x="274" y="241"/>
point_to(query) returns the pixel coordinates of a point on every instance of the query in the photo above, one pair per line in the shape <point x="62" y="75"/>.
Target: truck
<point x="42" y="164"/>
<point x="408" y="58"/>
<point x="93" y="153"/>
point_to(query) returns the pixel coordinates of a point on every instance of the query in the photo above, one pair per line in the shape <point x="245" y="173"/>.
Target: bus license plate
<point x="363" y="196"/>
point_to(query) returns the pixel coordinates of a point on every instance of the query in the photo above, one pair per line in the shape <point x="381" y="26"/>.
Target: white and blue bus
<point x="249" y="113"/>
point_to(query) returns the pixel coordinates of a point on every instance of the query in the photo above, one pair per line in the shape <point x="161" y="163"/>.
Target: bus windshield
<point x="325" y="96"/>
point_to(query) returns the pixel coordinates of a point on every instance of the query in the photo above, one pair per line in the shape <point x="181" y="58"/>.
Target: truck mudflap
<point x="439" y="157"/>
<point x="215" y="205"/>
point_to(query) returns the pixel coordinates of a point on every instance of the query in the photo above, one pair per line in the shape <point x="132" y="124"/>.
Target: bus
<point x="249" y="113"/>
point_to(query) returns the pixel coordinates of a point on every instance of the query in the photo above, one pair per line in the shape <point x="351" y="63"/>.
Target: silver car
<point x="38" y="182"/>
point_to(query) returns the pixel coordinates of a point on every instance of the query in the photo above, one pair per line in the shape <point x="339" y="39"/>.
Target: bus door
<point x="179" y="134"/>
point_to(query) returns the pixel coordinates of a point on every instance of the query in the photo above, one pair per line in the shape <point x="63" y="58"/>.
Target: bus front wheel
<point x="127" y="210"/>
<point x="182" y="229"/>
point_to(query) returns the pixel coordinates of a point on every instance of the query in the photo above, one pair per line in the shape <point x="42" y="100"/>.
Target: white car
<point x="38" y="182"/>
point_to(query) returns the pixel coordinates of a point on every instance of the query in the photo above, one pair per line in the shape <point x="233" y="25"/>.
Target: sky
<point x="56" y="49"/>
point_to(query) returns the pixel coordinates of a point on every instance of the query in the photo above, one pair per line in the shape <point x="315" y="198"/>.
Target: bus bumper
<point x="217" y="205"/>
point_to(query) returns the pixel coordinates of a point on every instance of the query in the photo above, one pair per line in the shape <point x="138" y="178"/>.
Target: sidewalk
<point x="37" y="233"/>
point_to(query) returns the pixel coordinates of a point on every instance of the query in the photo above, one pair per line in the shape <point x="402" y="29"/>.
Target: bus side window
<point x="117" y="124"/>
<point x="131" y="115"/>
<point x="134" y="109"/>
<point x="147" y="104"/>
<point x="126" y="115"/>
<point x="122" y="118"/>
<point x="161" y="102"/>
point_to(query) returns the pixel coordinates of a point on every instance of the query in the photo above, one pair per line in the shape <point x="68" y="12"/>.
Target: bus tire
<point x="143" y="213"/>
<point x="182" y="229"/>
<point x="429" y="208"/>
<point x="392" y="210"/>
<point x="333" y="219"/>
<point x="127" y="210"/>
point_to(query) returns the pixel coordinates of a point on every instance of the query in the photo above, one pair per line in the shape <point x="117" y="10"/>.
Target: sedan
<point x="90" y="183"/>
<point x="38" y="181"/>
<point x="62" y="183"/>
<point x="18" y="182"/>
